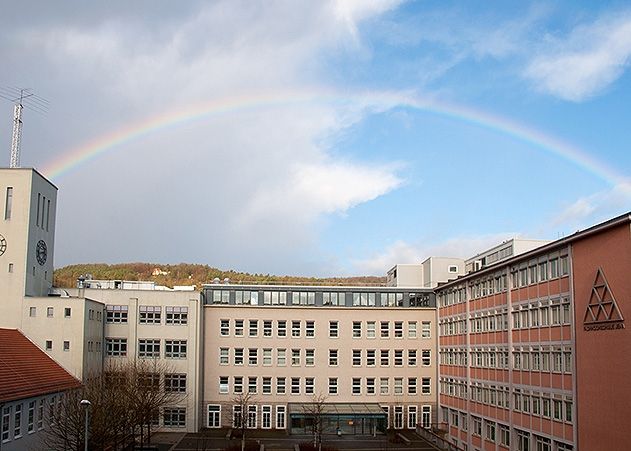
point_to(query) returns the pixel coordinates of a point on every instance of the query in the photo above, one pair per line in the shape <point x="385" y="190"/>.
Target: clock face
<point x="41" y="252"/>
<point x="3" y="245"/>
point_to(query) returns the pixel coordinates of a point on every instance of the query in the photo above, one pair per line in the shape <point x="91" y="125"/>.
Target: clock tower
<point x="28" y="203"/>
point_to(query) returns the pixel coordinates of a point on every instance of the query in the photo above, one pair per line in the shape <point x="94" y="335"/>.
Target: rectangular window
<point x="176" y="315"/>
<point x="281" y="357"/>
<point x="149" y="348"/>
<point x="426" y="417"/>
<point x="68" y="312"/>
<point x="238" y="356"/>
<point x="224" y="327"/>
<point x="371" y="328"/>
<point x="175" y="349"/>
<point x="115" y="347"/>
<point x="150" y="314"/>
<point x="253" y="331"/>
<point x="266" y="417"/>
<point x="267" y="386"/>
<point x="309" y="385"/>
<point x="411" y="386"/>
<point x="8" y="203"/>
<point x="175" y="383"/>
<point x="370" y="385"/>
<point x="274" y="297"/>
<point x="31" y="417"/>
<point x="253" y="356"/>
<point x="237" y="385"/>
<point x="411" y="329"/>
<point x="371" y="357"/>
<point x="174" y="417"/>
<point x="116" y="313"/>
<point x="426" y="329"/>
<point x="426" y="385"/>
<point x="281" y="329"/>
<point x="385" y="329"/>
<point x="332" y="357"/>
<point x="295" y="357"/>
<point x="333" y="329"/>
<point x="565" y="267"/>
<point x="66" y="346"/>
<point x="332" y="385"/>
<point x="280" y="417"/>
<point x="357" y="386"/>
<point x="398" y="329"/>
<point x="224" y="385"/>
<point x="385" y="357"/>
<point x="398" y="357"/>
<point x="221" y="296"/>
<point x="6" y="423"/>
<point x="398" y="385"/>
<point x="426" y="357"/>
<point x="238" y="327"/>
<point x="50" y="312"/>
<point x="357" y="357"/>
<point x="411" y="357"/>
<point x="309" y="357"/>
<point x="224" y="356"/>
<point x="267" y="328"/>
<point x="384" y="385"/>
<point x="303" y="298"/>
<point x="295" y="385"/>
<point x="412" y="415"/>
<point x="237" y="416"/>
<point x="267" y="356"/>
<point x="295" y="329"/>
<point x="477" y="426"/>
<point x="32" y="312"/>
<point x="398" y="417"/>
<point x="310" y="329"/>
<point x="280" y="385"/>
<point x="252" y="384"/>
<point x="357" y="329"/>
<point x="489" y="432"/>
<point x="214" y="416"/>
<point x="504" y="435"/>
<point x="17" y="421"/>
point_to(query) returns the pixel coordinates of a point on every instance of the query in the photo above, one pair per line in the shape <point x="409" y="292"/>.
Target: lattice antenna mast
<point x="20" y="98"/>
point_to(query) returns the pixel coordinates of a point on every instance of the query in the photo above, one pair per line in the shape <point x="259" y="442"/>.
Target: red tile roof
<point x="26" y="370"/>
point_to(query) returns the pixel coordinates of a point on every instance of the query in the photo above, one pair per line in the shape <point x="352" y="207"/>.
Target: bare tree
<point x="125" y="401"/>
<point x="242" y="418"/>
<point x="315" y="410"/>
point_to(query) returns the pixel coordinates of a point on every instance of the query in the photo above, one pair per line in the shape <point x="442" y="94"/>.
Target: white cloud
<point x="597" y="207"/>
<point x="584" y="63"/>
<point x="404" y="252"/>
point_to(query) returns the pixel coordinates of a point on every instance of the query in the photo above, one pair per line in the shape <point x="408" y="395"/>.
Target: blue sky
<point x="390" y="135"/>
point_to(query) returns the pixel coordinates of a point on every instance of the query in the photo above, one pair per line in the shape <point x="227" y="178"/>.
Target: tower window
<point x="8" y="203"/>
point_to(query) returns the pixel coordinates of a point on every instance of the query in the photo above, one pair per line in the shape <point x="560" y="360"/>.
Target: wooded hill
<point x="190" y="274"/>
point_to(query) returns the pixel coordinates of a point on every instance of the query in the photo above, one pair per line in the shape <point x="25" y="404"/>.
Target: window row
<point x="267" y="420"/>
<point x="298" y="328"/>
<point x="555" y="361"/>
<point x="20" y="419"/>
<point x="268" y="385"/>
<point x="147" y="314"/>
<point x="66" y="345"/>
<point x="533" y="315"/>
<point x="148" y="348"/>
<point x="495" y="432"/>
<point x="536" y="272"/>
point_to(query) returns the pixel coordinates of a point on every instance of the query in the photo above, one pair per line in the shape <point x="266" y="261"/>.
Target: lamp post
<point x="86" y="404"/>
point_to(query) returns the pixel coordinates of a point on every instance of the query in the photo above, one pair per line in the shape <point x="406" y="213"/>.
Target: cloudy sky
<point x="320" y="137"/>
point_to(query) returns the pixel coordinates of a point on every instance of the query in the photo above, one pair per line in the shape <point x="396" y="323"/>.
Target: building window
<point x="398" y="417"/>
<point x="252" y="384"/>
<point x="426" y="385"/>
<point x="357" y="386"/>
<point x="224" y="327"/>
<point x="504" y="435"/>
<point x="253" y="330"/>
<point x="224" y="356"/>
<point x="333" y="329"/>
<point x="224" y="384"/>
<point x="266" y="417"/>
<point x="412" y="416"/>
<point x="332" y="385"/>
<point x="116" y="347"/>
<point x="267" y="356"/>
<point x="357" y="357"/>
<point x="49" y="345"/>
<point x="542" y="443"/>
<point x="384" y="385"/>
<point x="477" y="426"/>
<point x="150" y="314"/>
<point x="489" y="430"/>
<point x="295" y="329"/>
<point x="221" y="296"/>
<point x="332" y="357"/>
<point x="370" y="385"/>
<point x="214" y="416"/>
<point x="426" y="329"/>
<point x="68" y="312"/>
<point x="426" y="357"/>
<point x="281" y="329"/>
<point x="238" y="356"/>
<point x="357" y="329"/>
<point x="385" y="357"/>
<point x="6" y="423"/>
<point x="8" y="203"/>
<point x="116" y="313"/>
<point x="237" y="385"/>
<point x="32" y="312"/>
<point x="176" y="315"/>
<point x="267" y="328"/>
<point x="280" y="417"/>
<point x="238" y="328"/>
<point x="411" y="386"/>
<point x="303" y="298"/>
<point x="17" y="422"/>
<point x="267" y="386"/>
<point x="175" y="349"/>
<point x="310" y="329"/>
<point x="523" y="440"/>
<point x="371" y="328"/>
<point x="66" y="346"/>
<point x="412" y="329"/>
<point x="274" y="297"/>
<point x="295" y="385"/>
<point x="281" y="357"/>
<point x="398" y="329"/>
<point x="309" y="357"/>
<point x="148" y="348"/>
<point x="426" y="416"/>
<point x="174" y="417"/>
<point x="236" y="416"/>
<point x="175" y="383"/>
<point x="280" y="386"/>
<point x="309" y="385"/>
<point x="371" y="357"/>
<point x="50" y="312"/>
<point x="398" y="385"/>
<point x="398" y="357"/>
<point x="295" y="357"/>
<point x="385" y="329"/>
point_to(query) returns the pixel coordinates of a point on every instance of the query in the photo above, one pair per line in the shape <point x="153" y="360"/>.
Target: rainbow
<point x="375" y="101"/>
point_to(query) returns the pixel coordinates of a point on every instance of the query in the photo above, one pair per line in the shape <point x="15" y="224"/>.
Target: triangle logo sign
<point x="602" y="307"/>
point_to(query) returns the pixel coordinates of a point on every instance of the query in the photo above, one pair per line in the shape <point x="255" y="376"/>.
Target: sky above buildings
<point x="320" y="138"/>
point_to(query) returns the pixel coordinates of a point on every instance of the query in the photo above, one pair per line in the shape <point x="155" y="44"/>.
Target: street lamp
<point x="86" y="404"/>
